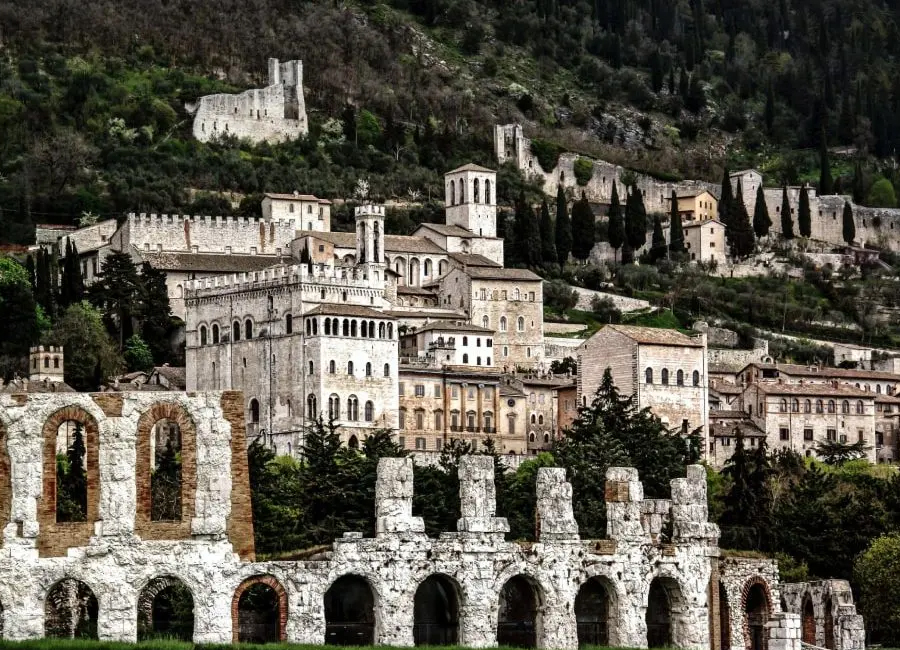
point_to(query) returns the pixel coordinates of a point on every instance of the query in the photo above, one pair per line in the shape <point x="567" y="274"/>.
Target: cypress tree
<point x="616" y="221"/>
<point x="519" y="254"/>
<point x="859" y="184"/>
<point x="563" y="227"/>
<point x="742" y="240"/>
<point x="583" y="229"/>
<point x="658" y="241"/>
<point x="787" y="220"/>
<point x="635" y="220"/>
<point x="548" y="246"/>
<point x="725" y="198"/>
<point x="761" y="220"/>
<point x="672" y="88"/>
<point x="676" y="230"/>
<point x="533" y="241"/>
<point x="849" y="225"/>
<point x="656" y="72"/>
<point x="770" y="108"/>
<point x="846" y="122"/>
<point x="683" y="84"/>
<point x="826" y="183"/>
<point x="29" y="266"/>
<point x="804" y="220"/>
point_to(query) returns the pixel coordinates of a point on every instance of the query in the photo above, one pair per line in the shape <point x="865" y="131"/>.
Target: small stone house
<point x="695" y="205"/>
<point x="704" y="241"/>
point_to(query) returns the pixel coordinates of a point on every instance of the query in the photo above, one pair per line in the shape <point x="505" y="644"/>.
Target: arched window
<point x="350" y="368"/>
<point x="390" y="331"/>
<point x="334" y="407"/>
<point x="308" y="326"/>
<point x="664" y="377"/>
<point x="311" y="368"/>
<point x="334" y="326"/>
<point x="215" y="333"/>
<point x="795" y="405"/>
<point x="353" y="408"/>
<point x="332" y="367"/>
<point x="327" y="326"/>
<point x="369" y="411"/>
<point x="696" y="378"/>
<point x="485" y="322"/>
<point x="831" y="406"/>
<point x="346" y="328"/>
<point x="254" y="411"/>
<point x="428" y="267"/>
<point x="368" y="369"/>
<point x="845" y="406"/>
<point x="679" y="377"/>
<point x="648" y="376"/>
<point x="807" y="406"/>
<point x="783" y="405"/>
<point x="541" y="419"/>
<point x="465" y="358"/>
<point x="401" y="418"/>
<point x="311" y="410"/>
<point x="387" y="370"/>
<point x="452" y="192"/>
<point x="381" y="330"/>
<point x="531" y="437"/>
<point x="202" y="342"/>
<point x="878" y="388"/>
<point x="516" y="294"/>
<point x="520" y="323"/>
<point x="476" y="194"/>
<point x="533" y="418"/>
<point x="288" y="324"/>
<point x="236" y="331"/>
<point x="353" y="328"/>
<point x="487" y="191"/>
<point x="820" y="406"/>
<point x="859" y="406"/>
<point x="248" y="329"/>
<point x="371" y="329"/>
<point x="546" y="438"/>
<point x="364" y="329"/>
<point x="503" y="323"/>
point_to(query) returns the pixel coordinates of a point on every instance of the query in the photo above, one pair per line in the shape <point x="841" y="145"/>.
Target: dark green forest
<point x="93" y="120"/>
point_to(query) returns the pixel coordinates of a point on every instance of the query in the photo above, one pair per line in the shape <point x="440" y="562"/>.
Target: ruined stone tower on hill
<point x="272" y="114"/>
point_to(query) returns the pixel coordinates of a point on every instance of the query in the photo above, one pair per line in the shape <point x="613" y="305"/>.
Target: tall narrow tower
<point x="370" y="236"/>
<point x="471" y="199"/>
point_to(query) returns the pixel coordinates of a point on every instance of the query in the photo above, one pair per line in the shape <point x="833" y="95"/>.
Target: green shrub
<point x="877" y="573"/>
<point x="584" y="169"/>
<point x="882" y="194"/>
<point x="547" y="153"/>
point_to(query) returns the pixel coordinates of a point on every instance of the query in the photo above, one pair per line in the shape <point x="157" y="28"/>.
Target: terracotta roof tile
<point x="656" y="336"/>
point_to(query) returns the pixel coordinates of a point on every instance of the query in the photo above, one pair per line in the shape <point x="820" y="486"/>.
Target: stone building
<point x="272" y="114"/>
<point x="705" y="241"/>
<point x="695" y="205"/>
<point x="449" y="343"/>
<point x="665" y="369"/>
<point x="657" y="578"/>
<point x="878" y="382"/>
<point x="887" y="428"/>
<point x="304" y="211"/>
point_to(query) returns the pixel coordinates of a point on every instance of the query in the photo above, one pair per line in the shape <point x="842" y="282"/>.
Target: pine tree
<point x="787" y="220"/>
<point x="849" y="225"/>
<point x="519" y="251"/>
<point x="846" y="121"/>
<point x="116" y="293"/>
<point x="676" y="229"/>
<point x="635" y="220"/>
<point x="859" y="184"/>
<point x="583" y="229"/>
<point x="616" y="230"/>
<point x="672" y="87"/>
<point x="658" y="241"/>
<point x="761" y="220"/>
<point x="683" y="84"/>
<point x="656" y="72"/>
<point x="548" y="246"/>
<point x="71" y="501"/>
<point x="533" y="238"/>
<point x="563" y="227"/>
<point x="826" y="184"/>
<point x="804" y="219"/>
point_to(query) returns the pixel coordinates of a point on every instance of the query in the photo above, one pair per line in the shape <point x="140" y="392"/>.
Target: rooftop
<point x="690" y="193"/>
<point x="698" y="224"/>
<point x="174" y="374"/>
<point x="296" y="197"/>
<point x="470" y="167"/>
<point x="392" y="243"/>
<point x="499" y="273"/>
<point x="467" y="259"/>
<point x="451" y="327"/>
<point x="825" y="372"/>
<point x="656" y="336"/>
<point x="209" y="262"/>
<point x="447" y="230"/>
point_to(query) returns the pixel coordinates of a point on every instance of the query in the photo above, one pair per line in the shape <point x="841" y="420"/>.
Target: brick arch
<point x="148" y="595"/>
<point x="5" y="493"/>
<point x="745" y="593"/>
<point x="143" y="525"/>
<point x="269" y="581"/>
<point x="54" y="539"/>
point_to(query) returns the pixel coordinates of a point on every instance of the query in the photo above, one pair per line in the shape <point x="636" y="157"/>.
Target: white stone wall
<point x="827" y="601"/>
<point x="706" y="242"/>
<point x="204" y="234"/>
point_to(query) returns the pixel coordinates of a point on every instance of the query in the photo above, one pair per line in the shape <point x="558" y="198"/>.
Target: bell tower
<point x="370" y="235"/>
<point x="470" y="199"/>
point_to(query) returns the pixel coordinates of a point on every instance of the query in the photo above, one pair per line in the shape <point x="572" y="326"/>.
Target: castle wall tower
<point x="370" y="235"/>
<point x="46" y="363"/>
<point x="470" y="199"/>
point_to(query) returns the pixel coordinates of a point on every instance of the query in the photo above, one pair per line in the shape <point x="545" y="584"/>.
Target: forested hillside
<point x="93" y="93"/>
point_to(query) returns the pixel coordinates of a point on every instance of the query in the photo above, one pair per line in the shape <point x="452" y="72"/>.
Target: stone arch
<point x="350" y="611"/>
<point x="724" y="618"/>
<point x="756" y="609"/>
<point x="157" y="607"/>
<point x="56" y="538"/>
<point x="807" y="621"/>
<point x="436" y="610"/>
<point x="828" y="621"/>
<point x="70" y="611"/>
<point x="596" y="612"/>
<point x="251" y="626"/>
<point x="179" y="528"/>
<point x="520" y="612"/>
<point x="5" y="493"/>
<point x="665" y="610"/>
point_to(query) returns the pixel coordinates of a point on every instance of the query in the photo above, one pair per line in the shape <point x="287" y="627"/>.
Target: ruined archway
<point x="828" y="617"/>
<point x="665" y="608"/>
<point x="724" y="619"/>
<point x="757" y="606"/>
<point x="70" y="611"/>
<point x="595" y="613"/>
<point x="436" y="611"/>
<point x="165" y="610"/>
<point x="350" y="612"/>
<point x="259" y="611"/>
<point x="518" y="619"/>
<point x="808" y="622"/>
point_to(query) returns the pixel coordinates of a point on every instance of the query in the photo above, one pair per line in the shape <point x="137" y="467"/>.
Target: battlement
<point x="283" y="274"/>
<point x="49" y="348"/>
<point x="369" y="209"/>
<point x="159" y="220"/>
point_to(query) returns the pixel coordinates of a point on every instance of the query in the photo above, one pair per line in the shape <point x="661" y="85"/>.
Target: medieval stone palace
<point x="657" y="579"/>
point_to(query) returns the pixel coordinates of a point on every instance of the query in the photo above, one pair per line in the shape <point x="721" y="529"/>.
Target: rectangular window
<point x="454" y="391"/>
<point x="420" y="421"/>
<point x="438" y="420"/>
<point x="437" y="390"/>
<point x="488" y="392"/>
<point x="860" y="435"/>
<point x="420" y="390"/>
<point x="401" y="388"/>
<point x="807" y="434"/>
<point x="831" y="434"/>
<point x="785" y="434"/>
<point x="879" y="439"/>
<point x="402" y="442"/>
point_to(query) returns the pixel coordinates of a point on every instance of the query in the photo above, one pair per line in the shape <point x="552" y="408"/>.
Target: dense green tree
<point x="20" y="328"/>
<point x="787" y="220"/>
<point x="548" y="245"/>
<point x="635" y="219"/>
<point x="583" y="231"/>
<point x="743" y="242"/>
<point x="877" y="576"/>
<point x="761" y="220"/>
<point x="88" y="347"/>
<point x="658" y="241"/>
<point x="155" y="313"/>
<point x="277" y="499"/>
<point x="769" y="115"/>
<point x="726" y="199"/>
<point x="71" y="478"/>
<point x="616" y="230"/>
<point x="563" y="226"/>
<point x="838" y="453"/>
<point x="559" y="296"/>
<point x="848" y="224"/>
<point x="72" y="285"/>
<point x="43" y="288"/>
<point x="676" y="229"/>
<point x="117" y="293"/>
<point x="165" y="485"/>
<point x="859" y="184"/>
<point x="881" y="194"/>
<point x="137" y="354"/>
<point x="804" y="219"/>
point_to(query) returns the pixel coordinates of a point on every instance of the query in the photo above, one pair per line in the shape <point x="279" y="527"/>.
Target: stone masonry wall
<point x="827" y="612"/>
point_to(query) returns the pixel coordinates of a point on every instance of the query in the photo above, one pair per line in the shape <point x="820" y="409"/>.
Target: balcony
<point x="456" y="429"/>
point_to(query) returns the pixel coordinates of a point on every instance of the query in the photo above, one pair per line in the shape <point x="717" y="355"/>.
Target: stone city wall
<point x="827" y="614"/>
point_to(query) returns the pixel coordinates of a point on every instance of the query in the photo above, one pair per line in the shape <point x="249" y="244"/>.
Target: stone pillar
<point x="463" y="420"/>
<point x="784" y="631"/>
<point x="851" y="632"/>
<point x="393" y="499"/>
<point x="556" y="521"/>
<point x="479" y="422"/>
<point x="689" y="507"/>
<point x="624" y="494"/>
<point x="478" y="498"/>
